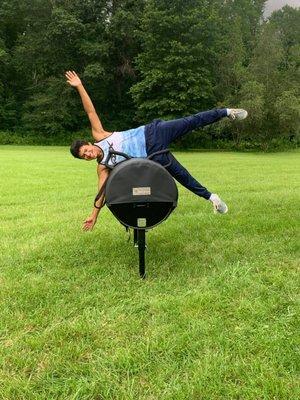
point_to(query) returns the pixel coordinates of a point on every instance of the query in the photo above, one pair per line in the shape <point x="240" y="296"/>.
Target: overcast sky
<point x="276" y="4"/>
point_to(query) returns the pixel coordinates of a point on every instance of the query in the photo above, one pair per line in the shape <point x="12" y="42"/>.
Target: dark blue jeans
<point x="159" y="134"/>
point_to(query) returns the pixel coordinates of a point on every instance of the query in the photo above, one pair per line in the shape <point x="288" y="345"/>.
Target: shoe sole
<point x="216" y="211"/>
<point x="241" y="115"/>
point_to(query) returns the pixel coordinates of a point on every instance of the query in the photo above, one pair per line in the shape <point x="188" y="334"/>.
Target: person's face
<point x="89" y="152"/>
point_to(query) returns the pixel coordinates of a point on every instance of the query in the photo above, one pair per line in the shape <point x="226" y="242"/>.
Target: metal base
<point x="139" y="240"/>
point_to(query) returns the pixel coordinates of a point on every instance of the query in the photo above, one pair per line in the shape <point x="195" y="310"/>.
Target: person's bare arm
<point x="103" y="174"/>
<point x="97" y="129"/>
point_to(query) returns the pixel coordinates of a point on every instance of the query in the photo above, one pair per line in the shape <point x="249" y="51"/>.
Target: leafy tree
<point x="287" y="107"/>
<point x="49" y="110"/>
<point x="252" y="99"/>
<point x="144" y="59"/>
<point x="287" y="24"/>
<point x="240" y="27"/>
<point x="248" y="14"/>
<point x="176" y="58"/>
<point x="231" y="66"/>
<point x="271" y="68"/>
<point x="122" y="45"/>
<point x="11" y="24"/>
<point x="95" y="38"/>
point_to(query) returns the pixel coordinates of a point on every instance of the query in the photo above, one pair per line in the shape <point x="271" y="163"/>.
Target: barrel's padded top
<point x="140" y="180"/>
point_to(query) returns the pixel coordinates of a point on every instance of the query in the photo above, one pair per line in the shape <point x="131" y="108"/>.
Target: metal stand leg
<point x="141" y="237"/>
<point x="135" y="238"/>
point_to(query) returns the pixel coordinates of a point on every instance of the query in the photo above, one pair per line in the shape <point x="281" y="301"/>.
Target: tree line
<point x="146" y="59"/>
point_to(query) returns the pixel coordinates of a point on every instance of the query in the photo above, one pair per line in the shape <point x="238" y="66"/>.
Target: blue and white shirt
<point x="131" y="142"/>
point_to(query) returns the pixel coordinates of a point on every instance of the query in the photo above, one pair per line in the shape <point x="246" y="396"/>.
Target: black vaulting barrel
<point x="140" y="193"/>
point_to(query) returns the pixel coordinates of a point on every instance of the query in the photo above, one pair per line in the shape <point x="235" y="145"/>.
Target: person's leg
<point x="168" y="131"/>
<point x="186" y="179"/>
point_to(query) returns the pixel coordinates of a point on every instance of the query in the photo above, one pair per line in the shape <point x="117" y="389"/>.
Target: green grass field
<point x="216" y="318"/>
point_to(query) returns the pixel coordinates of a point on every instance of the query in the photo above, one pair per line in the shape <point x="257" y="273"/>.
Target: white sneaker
<point x="219" y="205"/>
<point x="237" y="114"/>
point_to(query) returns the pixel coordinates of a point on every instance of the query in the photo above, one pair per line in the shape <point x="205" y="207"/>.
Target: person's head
<point x="85" y="150"/>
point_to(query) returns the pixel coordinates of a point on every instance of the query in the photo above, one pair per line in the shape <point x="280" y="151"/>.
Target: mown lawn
<point x="215" y="319"/>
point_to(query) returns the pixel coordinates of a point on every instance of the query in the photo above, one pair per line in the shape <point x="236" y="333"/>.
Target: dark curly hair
<point x="75" y="147"/>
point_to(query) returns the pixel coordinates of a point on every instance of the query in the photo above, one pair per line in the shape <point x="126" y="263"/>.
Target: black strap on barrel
<point x="158" y="153"/>
<point x="112" y="153"/>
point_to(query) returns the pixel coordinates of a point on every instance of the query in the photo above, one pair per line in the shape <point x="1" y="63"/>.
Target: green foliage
<point x="49" y="110"/>
<point x="231" y="64"/>
<point x="174" y="64"/>
<point x="248" y="15"/>
<point x="123" y="43"/>
<point x="150" y="59"/>
<point x="264" y="87"/>
<point x="253" y="100"/>
<point x="287" y="107"/>
<point x="286" y="22"/>
<point x="31" y="138"/>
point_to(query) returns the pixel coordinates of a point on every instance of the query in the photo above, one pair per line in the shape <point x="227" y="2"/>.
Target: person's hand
<point x="89" y="223"/>
<point x="72" y="78"/>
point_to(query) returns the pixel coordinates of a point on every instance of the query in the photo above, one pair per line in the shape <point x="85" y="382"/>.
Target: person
<point x="142" y="142"/>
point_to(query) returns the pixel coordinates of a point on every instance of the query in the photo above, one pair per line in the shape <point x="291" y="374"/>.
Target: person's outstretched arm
<point x="103" y="174"/>
<point x="97" y="129"/>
